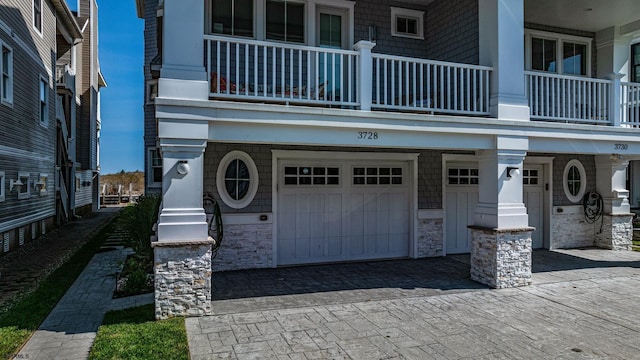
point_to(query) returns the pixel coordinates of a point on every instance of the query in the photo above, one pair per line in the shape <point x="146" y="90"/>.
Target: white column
<point x="182" y="216"/>
<point x="500" y="202"/>
<point x="611" y="178"/>
<point x="613" y="53"/>
<point x="615" y="99"/>
<point x="183" y="74"/>
<point x="365" y="75"/>
<point x="501" y="36"/>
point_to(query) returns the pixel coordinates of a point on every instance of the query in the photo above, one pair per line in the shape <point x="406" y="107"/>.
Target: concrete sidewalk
<point x="69" y="330"/>
<point x="584" y="304"/>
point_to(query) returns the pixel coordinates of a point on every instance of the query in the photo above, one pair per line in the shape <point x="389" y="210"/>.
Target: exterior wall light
<point x="183" y="167"/>
<point x="512" y="171"/>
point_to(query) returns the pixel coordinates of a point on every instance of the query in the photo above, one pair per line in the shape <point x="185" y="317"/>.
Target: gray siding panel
<point x="26" y="145"/>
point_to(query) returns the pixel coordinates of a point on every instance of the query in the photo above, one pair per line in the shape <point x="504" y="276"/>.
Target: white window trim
<point x="25" y="184"/>
<point x="583" y="181"/>
<point x="560" y="39"/>
<point x="150" y="167"/>
<point x="253" y="179"/>
<point x="310" y="21"/>
<point x="3" y="185"/>
<point x="408" y="13"/>
<point x="6" y="99"/>
<point x="33" y="17"/>
<point x="44" y="123"/>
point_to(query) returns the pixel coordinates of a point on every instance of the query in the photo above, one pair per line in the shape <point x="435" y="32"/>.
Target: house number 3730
<point x="368" y="135"/>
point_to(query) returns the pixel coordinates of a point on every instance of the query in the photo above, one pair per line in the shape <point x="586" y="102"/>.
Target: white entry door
<point x="533" y="196"/>
<point x="342" y="210"/>
<point x="461" y="201"/>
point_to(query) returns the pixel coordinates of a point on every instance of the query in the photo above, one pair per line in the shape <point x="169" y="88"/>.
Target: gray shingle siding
<point x="429" y="173"/>
<point x="150" y="52"/>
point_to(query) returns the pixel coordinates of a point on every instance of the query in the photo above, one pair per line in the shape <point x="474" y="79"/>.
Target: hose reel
<point x="593" y="208"/>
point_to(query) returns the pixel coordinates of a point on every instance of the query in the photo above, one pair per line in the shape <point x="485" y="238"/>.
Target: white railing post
<point x="365" y="73"/>
<point x="615" y="99"/>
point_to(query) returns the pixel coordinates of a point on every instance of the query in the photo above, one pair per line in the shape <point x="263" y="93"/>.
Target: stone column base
<point x="501" y="258"/>
<point x="182" y="278"/>
<point x="617" y="232"/>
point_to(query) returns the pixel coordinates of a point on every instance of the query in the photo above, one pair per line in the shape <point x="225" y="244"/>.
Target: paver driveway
<point x="583" y="304"/>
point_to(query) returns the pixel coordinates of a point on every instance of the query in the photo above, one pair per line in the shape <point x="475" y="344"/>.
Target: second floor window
<point x="635" y="62"/>
<point x="37" y="15"/>
<point x="44" y="96"/>
<point x="6" y="80"/>
<point x="232" y="17"/>
<point x="285" y="21"/>
<point x="557" y="53"/>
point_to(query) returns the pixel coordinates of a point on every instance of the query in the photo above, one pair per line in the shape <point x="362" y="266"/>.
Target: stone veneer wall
<point x="617" y="232"/>
<point x="182" y="275"/>
<point x="246" y="246"/>
<point x="571" y="230"/>
<point x="430" y="237"/>
<point x="501" y="259"/>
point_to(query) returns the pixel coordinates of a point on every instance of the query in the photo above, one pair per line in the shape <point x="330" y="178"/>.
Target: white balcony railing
<point x="569" y="98"/>
<point x="66" y="77"/>
<point x="630" y="94"/>
<point x="425" y="85"/>
<point x="270" y="71"/>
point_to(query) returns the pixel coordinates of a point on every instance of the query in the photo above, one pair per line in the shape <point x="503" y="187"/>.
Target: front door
<point x="461" y="201"/>
<point x="332" y="30"/>
<point x="533" y="198"/>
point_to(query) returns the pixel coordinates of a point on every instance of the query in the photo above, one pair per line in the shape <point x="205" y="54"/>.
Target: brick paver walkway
<point x="22" y="269"/>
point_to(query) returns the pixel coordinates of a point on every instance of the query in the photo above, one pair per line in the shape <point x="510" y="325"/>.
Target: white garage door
<point x="461" y="201"/>
<point x="342" y="210"/>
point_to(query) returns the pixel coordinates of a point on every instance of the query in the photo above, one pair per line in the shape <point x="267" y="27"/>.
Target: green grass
<point x="20" y="320"/>
<point x="134" y="334"/>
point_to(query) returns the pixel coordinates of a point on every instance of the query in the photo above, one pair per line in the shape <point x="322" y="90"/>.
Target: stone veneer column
<point x="501" y="236"/>
<point x="182" y="252"/>
<point x="501" y="258"/>
<point x="182" y="276"/>
<point x="617" y="227"/>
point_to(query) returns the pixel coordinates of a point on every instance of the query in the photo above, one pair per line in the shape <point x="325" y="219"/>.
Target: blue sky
<point x="121" y="60"/>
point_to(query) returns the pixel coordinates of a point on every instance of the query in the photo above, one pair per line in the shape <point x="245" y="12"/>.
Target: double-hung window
<point x="557" y="53"/>
<point x="155" y="167"/>
<point x="635" y="62"/>
<point x="37" y="15"/>
<point x="232" y="17"/>
<point x="285" y="21"/>
<point x="6" y="79"/>
<point x="44" y="102"/>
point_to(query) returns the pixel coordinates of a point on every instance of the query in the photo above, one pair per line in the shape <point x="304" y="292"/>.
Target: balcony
<point x="249" y="70"/>
<point x="259" y="71"/>
<point x="577" y="99"/>
<point x="66" y="78"/>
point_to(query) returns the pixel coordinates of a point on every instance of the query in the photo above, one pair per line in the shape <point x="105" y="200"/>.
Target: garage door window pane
<point x="463" y="176"/>
<point x="377" y="176"/>
<point x="307" y="175"/>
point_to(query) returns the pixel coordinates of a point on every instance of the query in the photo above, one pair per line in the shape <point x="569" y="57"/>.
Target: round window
<point x="574" y="181"/>
<point x="237" y="179"/>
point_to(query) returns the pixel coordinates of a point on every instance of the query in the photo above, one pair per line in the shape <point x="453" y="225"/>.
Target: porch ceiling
<point x="586" y="15"/>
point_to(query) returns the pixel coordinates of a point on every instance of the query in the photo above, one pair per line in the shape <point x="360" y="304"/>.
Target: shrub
<point x="140" y="222"/>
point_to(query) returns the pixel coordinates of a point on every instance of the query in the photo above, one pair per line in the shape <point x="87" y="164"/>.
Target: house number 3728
<point x="621" y="146"/>
<point x="368" y="135"/>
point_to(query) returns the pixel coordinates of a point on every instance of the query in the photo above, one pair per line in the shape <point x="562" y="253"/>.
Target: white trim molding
<point x="247" y="198"/>
<point x="408" y="14"/>
<point x="583" y="181"/>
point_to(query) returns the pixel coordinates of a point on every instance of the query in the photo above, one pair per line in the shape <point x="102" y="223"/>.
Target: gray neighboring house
<point x="49" y="116"/>
<point x="337" y="130"/>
